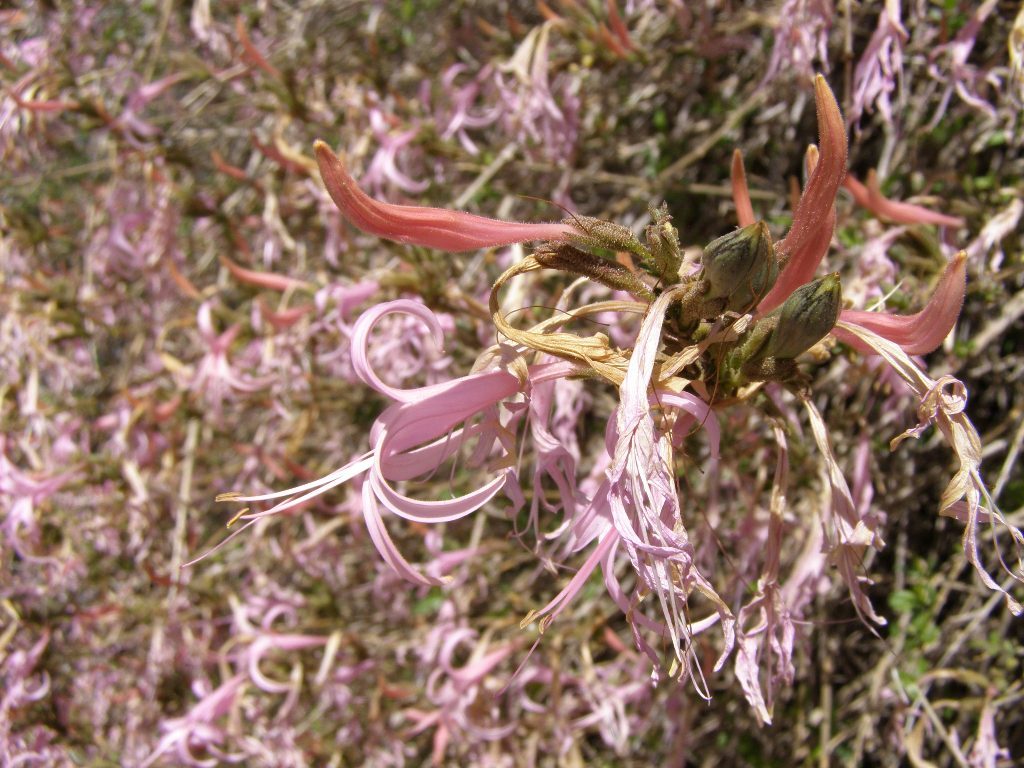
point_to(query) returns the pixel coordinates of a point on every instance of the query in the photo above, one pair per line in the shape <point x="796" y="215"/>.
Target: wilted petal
<point x="415" y="225"/>
<point x="924" y="331"/>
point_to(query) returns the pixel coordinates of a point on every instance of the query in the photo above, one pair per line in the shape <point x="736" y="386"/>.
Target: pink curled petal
<point x="924" y="331"/>
<point x="386" y="547"/>
<point x="440" y="408"/>
<point x="271" y="642"/>
<point x="740" y="191"/>
<point x="560" y="601"/>
<point x="415" y="225"/>
<point x="361" y="337"/>
<point x="801" y="267"/>
<point x="446" y="654"/>
<point x="812" y="212"/>
<point x="697" y="408"/>
<point x="433" y="511"/>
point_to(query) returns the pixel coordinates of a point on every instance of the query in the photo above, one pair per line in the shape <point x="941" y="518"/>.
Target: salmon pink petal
<point x="871" y="197"/>
<point x="922" y="332"/>
<point x="415" y="225"/>
<point x="740" y="191"/>
<point x="814" y="220"/>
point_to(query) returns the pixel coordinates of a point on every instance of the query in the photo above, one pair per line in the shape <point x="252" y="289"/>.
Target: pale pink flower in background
<point x="464" y="695"/>
<point x="801" y="39"/>
<point x="539" y="113"/>
<point x="880" y="68"/>
<point x="383" y="169"/>
<point x="198" y="732"/>
<point x="215" y="378"/>
<point x="959" y="76"/>
<point x="130" y="123"/>
<point x="456" y="116"/>
<point x="21" y="493"/>
<point x="22" y="687"/>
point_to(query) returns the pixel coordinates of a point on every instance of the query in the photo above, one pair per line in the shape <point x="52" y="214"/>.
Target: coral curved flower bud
<point x="820" y="193"/>
<point x="741" y="266"/>
<point x="740" y="191"/>
<point x="922" y="332"/>
<point x="870" y="197"/>
<point x="417" y="225"/>
<point x="802" y="250"/>
<point x="806" y="318"/>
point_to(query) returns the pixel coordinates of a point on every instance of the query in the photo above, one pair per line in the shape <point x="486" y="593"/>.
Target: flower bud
<point x="741" y="266"/>
<point x="809" y="313"/>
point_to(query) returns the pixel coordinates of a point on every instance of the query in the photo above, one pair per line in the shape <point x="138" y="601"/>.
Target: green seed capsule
<point x="741" y="266"/>
<point x="805" y="318"/>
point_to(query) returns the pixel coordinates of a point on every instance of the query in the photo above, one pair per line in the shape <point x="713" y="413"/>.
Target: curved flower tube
<point x="820" y="193"/>
<point x="417" y="225"/>
<point x="740" y="191"/>
<point x="814" y="220"/>
<point x="870" y="197"/>
<point x="923" y="331"/>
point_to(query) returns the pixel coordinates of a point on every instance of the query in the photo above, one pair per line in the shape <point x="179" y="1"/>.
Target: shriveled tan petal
<point x="943" y="404"/>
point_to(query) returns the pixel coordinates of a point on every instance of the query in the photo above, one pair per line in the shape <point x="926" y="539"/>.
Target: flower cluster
<point x="732" y="331"/>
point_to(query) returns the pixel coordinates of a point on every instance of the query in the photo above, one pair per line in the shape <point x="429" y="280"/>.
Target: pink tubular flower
<point x="870" y="196"/>
<point x="414" y="225"/>
<point x="803" y="249"/>
<point x="922" y="332"/>
<point x="813" y="221"/>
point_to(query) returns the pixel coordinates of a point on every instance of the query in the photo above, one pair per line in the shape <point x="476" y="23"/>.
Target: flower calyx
<point x="806" y="317"/>
<point x="740" y="267"/>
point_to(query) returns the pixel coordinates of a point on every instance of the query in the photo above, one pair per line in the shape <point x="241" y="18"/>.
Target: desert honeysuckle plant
<point x="693" y="348"/>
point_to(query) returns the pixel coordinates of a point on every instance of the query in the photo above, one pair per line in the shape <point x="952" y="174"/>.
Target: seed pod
<point x="597" y="233"/>
<point x="805" y="318"/>
<point x="741" y="266"/>
<point x="567" y="258"/>
<point x="663" y="243"/>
